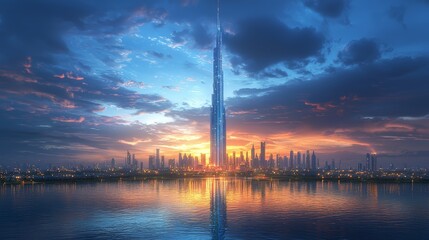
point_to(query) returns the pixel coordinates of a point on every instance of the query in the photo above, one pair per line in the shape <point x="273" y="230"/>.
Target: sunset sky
<point x="89" y="80"/>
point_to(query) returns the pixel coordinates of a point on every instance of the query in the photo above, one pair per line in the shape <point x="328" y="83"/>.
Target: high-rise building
<point x="112" y="163"/>
<point x="279" y="161"/>
<point x="157" y="160"/>
<point x="374" y="162"/>
<point x="291" y="158"/>
<point x="271" y="161"/>
<point x="128" y="159"/>
<point x="298" y="160"/>
<point x="151" y="162"/>
<point x="262" y="161"/>
<point x="368" y="160"/>
<point x="162" y="162"/>
<point x="171" y="163"/>
<point x="185" y="161"/>
<point x="234" y="161"/>
<point x="203" y="159"/>
<point x="307" y="160"/>
<point x="180" y="160"/>
<point x="313" y="162"/>
<point x="254" y="158"/>
<point x="217" y="116"/>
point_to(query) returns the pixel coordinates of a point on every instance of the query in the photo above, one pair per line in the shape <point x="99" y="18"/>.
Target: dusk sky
<point x="85" y="81"/>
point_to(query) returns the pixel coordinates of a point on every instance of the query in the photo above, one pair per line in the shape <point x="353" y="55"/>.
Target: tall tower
<point x="262" y="162"/>
<point x="217" y="116"/>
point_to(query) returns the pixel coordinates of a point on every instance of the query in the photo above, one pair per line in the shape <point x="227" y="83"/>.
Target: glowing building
<point x="217" y="116"/>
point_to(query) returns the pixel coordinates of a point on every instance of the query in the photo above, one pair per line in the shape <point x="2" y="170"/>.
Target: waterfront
<point x="233" y="208"/>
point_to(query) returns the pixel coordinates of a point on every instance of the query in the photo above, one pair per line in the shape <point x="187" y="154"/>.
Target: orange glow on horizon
<point x="174" y="143"/>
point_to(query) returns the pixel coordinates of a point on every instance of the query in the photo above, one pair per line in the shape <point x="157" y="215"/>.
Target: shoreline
<point x="132" y="178"/>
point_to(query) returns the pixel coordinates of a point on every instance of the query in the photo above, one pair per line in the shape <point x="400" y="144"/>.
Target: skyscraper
<point x="157" y="160"/>
<point x="367" y="163"/>
<point x="203" y="159"/>
<point x="374" y="162"/>
<point x="262" y="161"/>
<point x="307" y="160"/>
<point x="217" y="116"/>
<point x="313" y="162"/>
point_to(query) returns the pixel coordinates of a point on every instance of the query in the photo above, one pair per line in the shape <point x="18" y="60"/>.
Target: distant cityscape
<point x="297" y="166"/>
<point x="243" y="162"/>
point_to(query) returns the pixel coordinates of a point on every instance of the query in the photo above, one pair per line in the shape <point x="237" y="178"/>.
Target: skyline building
<point x="373" y="162"/>
<point x="298" y="160"/>
<point x="157" y="160"/>
<point x="313" y="161"/>
<point x="367" y="163"/>
<point x="217" y="116"/>
<point x="262" y="161"/>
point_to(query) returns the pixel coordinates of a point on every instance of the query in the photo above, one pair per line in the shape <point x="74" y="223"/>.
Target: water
<point x="214" y="209"/>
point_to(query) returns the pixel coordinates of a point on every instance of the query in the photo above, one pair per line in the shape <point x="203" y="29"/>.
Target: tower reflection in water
<point x="218" y="209"/>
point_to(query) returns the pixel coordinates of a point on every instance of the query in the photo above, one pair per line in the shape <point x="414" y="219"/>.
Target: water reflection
<point x="218" y="209"/>
<point x="214" y="208"/>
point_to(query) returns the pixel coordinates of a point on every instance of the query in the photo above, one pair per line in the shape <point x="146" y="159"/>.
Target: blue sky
<point x="85" y="81"/>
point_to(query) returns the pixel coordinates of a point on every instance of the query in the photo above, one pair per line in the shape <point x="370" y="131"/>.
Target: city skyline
<point x="84" y="81"/>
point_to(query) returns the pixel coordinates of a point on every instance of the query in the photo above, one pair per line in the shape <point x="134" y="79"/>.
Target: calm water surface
<point x="215" y="209"/>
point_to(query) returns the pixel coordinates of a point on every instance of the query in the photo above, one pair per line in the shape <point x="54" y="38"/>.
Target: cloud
<point x="37" y="29"/>
<point x="179" y="38"/>
<point x="133" y="84"/>
<point x="69" y="120"/>
<point x="351" y="103"/>
<point x="360" y="51"/>
<point x="172" y="88"/>
<point x="41" y="28"/>
<point x="327" y="8"/>
<point x="201" y="37"/>
<point x="397" y="13"/>
<point x="70" y="75"/>
<point x="158" y="54"/>
<point x="261" y="43"/>
<point x="270" y="73"/>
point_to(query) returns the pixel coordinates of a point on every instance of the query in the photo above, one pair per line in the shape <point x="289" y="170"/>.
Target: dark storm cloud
<point x="263" y="42"/>
<point x="327" y="8"/>
<point x="360" y="51"/>
<point x="205" y="11"/>
<point x="274" y="73"/>
<point x="345" y="97"/>
<point x="201" y="37"/>
<point x="34" y="28"/>
<point x="397" y="13"/>
<point x="179" y="37"/>
<point x="39" y="28"/>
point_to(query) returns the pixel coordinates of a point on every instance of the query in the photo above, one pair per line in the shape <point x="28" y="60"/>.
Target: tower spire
<point x="218" y="17"/>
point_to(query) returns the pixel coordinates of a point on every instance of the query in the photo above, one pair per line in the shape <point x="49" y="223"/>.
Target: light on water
<point x="229" y="208"/>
